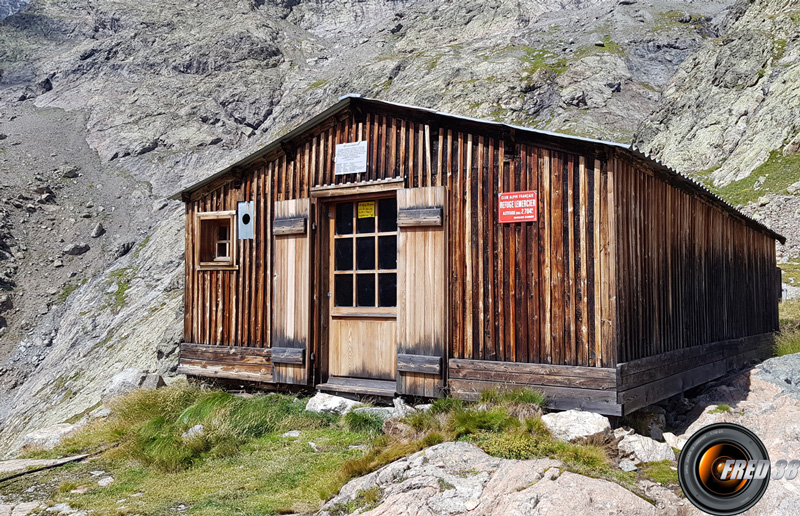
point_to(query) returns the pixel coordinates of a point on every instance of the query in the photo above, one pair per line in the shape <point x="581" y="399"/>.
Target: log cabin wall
<point x="690" y="273"/>
<point x="587" y="285"/>
<point x="526" y="292"/>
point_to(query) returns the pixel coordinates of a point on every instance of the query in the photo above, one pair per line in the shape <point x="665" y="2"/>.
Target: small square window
<point x="216" y="240"/>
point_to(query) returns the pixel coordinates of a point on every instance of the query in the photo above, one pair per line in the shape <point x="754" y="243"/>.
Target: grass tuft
<point x="445" y="406"/>
<point x="661" y="472"/>
<point x="722" y="408"/>
<point x="513" y="396"/>
<point x="363" y="422"/>
<point x="468" y="422"/>
<point x="787" y="342"/>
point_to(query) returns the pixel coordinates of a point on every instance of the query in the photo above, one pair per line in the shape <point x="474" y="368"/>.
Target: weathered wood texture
<point x="566" y="387"/>
<point x="645" y="381"/>
<point x="233" y="362"/>
<point x="691" y="274"/>
<point x="291" y="310"/>
<point x="363" y="347"/>
<point x="421" y="289"/>
<point x="624" y="262"/>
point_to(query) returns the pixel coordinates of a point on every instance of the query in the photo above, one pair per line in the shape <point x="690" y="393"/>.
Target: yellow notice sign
<point x="366" y="210"/>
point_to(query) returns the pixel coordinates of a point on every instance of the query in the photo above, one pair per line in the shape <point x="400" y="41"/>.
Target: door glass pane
<point x="344" y="254"/>
<point x="343" y="290"/>
<point x="387" y="214"/>
<point x="344" y="218"/>
<point x="365" y="216"/>
<point x="365" y="253"/>
<point x="365" y="290"/>
<point x="387" y="289"/>
<point x="387" y="252"/>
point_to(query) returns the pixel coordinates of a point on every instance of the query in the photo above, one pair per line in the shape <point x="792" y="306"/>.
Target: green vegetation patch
<point x="240" y="463"/>
<point x="780" y="171"/>
<point x="122" y="278"/>
<point x="317" y="84"/>
<point x="671" y="19"/>
<point x="662" y="472"/>
<point x="609" y="47"/>
<point x="790" y="273"/>
<point x="66" y="290"/>
<point x="722" y="408"/>
<point x="536" y="59"/>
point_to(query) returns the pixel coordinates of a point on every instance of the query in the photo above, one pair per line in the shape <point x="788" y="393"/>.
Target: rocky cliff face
<point x="146" y="97"/>
<point x="9" y="7"/>
<point x="734" y="101"/>
<point x="731" y="114"/>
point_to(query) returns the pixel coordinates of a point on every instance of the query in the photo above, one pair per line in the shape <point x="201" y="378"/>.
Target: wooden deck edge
<point x="228" y="362"/>
<point x="218" y="372"/>
<point x="558" y="398"/>
<point x="708" y="364"/>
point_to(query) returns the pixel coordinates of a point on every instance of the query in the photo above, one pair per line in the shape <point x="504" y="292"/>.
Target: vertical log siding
<point x="620" y="265"/>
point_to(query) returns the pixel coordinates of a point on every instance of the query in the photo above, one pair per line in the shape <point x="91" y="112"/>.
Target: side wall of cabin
<point x="697" y="293"/>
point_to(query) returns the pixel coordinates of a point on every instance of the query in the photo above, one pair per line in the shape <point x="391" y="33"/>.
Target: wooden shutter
<point x="421" y="291"/>
<point x="291" y="292"/>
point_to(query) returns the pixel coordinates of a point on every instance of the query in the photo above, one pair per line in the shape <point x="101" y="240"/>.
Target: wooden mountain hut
<point x="383" y="249"/>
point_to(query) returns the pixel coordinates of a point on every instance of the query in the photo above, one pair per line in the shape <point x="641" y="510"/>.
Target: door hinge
<point x="313" y="357"/>
<point x="313" y="226"/>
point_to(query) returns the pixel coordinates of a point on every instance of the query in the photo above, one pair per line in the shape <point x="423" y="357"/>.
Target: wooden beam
<point x="414" y="217"/>
<point x="293" y="226"/>
<point x="288" y="355"/>
<point x="362" y="187"/>
<point x="419" y="363"/>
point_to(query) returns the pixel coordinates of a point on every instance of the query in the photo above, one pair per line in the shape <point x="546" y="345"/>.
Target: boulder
<point x="124" y="382"/>
<point x="329" y="404"/>
<point x="399" y="409"/>
<point x="459" y="478"/>
<point x="382" y="412"/>
<point x="675" y="441"/>
<point x="575" y="424"/>
<point x="76" y="249"/>
<point x="153" y="381"/>
<point x="195" y="431"/>
<point x="643" y="449"/>
<point x="98" y="230"/>
<point x="68" y="171"/>
<point x="627" y="465"/>
<point x="49" y="437"/>
<point x="105" y="481"/>
<point x="291" y="433"/>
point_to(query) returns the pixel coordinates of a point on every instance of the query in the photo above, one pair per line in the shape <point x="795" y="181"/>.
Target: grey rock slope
<point x="146" y="97"/>
<point x="9" y="7"/>
<point x="735" y="100"/>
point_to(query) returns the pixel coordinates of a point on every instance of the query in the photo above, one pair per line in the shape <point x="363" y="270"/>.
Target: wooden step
<point x="360" y="386"/>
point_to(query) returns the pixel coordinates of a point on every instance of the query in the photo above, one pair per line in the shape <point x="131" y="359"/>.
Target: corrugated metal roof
<point x="345" y="101"/>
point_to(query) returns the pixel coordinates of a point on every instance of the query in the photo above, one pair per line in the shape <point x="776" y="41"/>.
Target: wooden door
<point x="363" y="288"/>
<point x="421" y="291"/>
<point x="291" y="329"/>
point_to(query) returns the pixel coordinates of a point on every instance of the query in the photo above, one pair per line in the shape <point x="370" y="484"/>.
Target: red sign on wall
<point x="517" y="207"/>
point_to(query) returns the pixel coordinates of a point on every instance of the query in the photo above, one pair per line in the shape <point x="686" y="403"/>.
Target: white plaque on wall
<point x="351" y="158"/>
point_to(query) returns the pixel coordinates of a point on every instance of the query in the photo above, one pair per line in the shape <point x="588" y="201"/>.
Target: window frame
<point x="230" y="263"/>
<point x="354" y="310"/>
